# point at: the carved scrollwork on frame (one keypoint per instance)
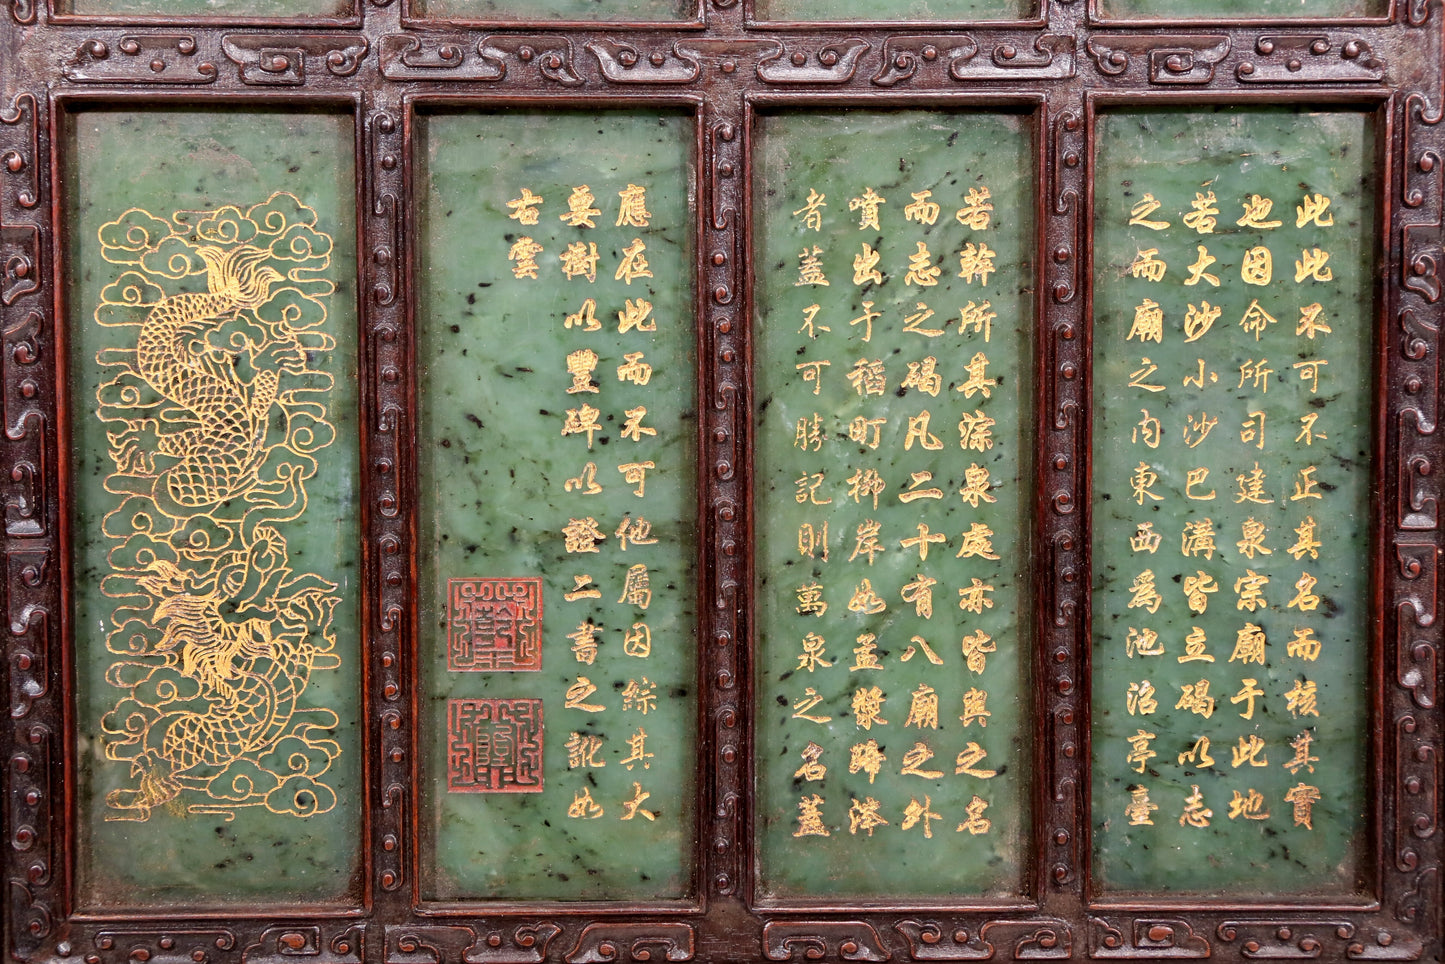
(141, 59)
(903, 57)
(1050, 56)
(276, 944)
(823, 940)
(723, 168)
(21, 159)
(414, 57)
(425, 57)
(269, 61)
(1173, 59)
(625, 63)
(29, 630)
(1063, 407)
(1022, 940)
(386, 368)
(550, 57)
(171, 946)
(435, 944)
(32, 910)
(20, 255)
(1305, 939)
(1151, 938)
(603, 943)
(1419, 768)
(1311, 60)
(20, 247)
(808, 63)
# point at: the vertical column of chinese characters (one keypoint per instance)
(880, 353)
(612, 583)
(1232, 462)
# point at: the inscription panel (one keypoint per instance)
(1233, 395)
(893, 326)
(557, 475)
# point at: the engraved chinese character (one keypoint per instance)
(810, 818)
(579, 260)
(1257, 268)
(921, 269)
(867, 205)
(524, 208)
(975, 261)
(580, 211)
(922, 209)
(1249, 645)
(1256, 209)
(524, 252)
(632, 211)
(976, 210)
(1313, 208)
(633, 264)
(1249, 691)
(863, 815)
(1203, 215)
(812, 210)
(810, 269)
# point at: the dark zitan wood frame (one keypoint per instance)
(1064, 63)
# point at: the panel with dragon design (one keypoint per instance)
(557, 486)
(212, 337)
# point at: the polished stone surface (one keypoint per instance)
(1208, 418)
(494, 466)
(169, 161)
(1235, 9)
(970, 10)
(269, 9)
(811, 532)
(544, 10)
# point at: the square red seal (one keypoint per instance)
(494, 624)
(494, 746)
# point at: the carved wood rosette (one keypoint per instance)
(1058, 68)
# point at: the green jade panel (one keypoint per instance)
(212, 334)
(541, 11)
(1236, 9)
(1232, 438)
(267, 9)
(558, 426)
(893, 331)
(942, 10)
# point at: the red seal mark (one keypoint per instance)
(494, 624)
(494, 746)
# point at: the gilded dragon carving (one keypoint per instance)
(215, 413)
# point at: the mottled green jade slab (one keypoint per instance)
(277, 9)
(845, 492)
(1219, 377)
(544, 10)
(213, 506)
(513, 487)
(907, 10)
(1234, 9)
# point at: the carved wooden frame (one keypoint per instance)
(1064, 61)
